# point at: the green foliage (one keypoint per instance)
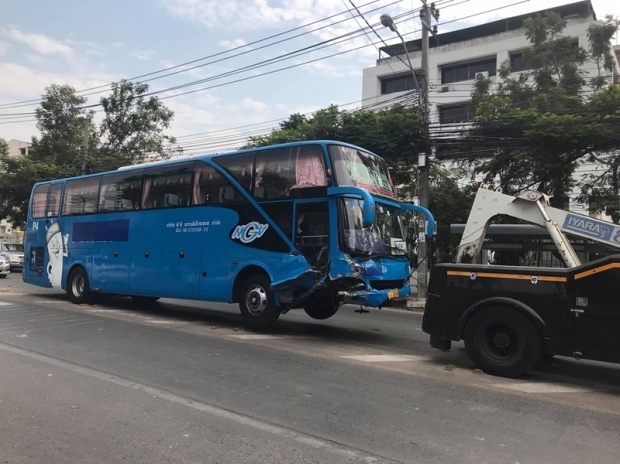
(131, 130)
(535, 128)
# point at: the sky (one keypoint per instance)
(92, 43)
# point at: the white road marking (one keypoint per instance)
(257, 337)
(4, 303)
(50, 301)
(541, 387)
(164, 321)
(258, 424)
(375, 358)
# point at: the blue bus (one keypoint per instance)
(309, 225)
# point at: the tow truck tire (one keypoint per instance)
(256, 302)
(78, 286)
(503, 341)
(322, 307)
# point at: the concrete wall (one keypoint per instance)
(18, 147)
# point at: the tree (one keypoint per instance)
(535, 128)
(133, 127)
(132, 130)
(60, 119)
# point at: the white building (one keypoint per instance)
(18, 147)
(456, 57)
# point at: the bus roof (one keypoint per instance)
(248, 150)
(213, 155)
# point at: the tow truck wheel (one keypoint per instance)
(502, 341)
(321, 307)
(256, 302)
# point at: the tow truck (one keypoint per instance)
(510, 317)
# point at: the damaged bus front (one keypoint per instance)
(363, 259)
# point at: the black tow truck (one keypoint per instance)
(510, 317)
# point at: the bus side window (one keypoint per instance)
(39, 200)
(167, 186)
(53, 204)
(81, 196)
(240, 167)
(211, 188)
(120, 191)
(278, 171)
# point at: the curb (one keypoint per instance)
(415, 305)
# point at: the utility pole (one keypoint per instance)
(423, 157)
(86, 133)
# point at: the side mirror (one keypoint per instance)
(368, 208)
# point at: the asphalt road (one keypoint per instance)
(185, 382)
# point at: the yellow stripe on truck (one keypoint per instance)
(494, 275)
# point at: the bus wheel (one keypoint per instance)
(256, 302)
(322, 307)
(502, 341)
(78, 287)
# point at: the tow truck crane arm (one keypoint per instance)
(532, 207)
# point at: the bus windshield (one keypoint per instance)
(357, 168)
(376, 240)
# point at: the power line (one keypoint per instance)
(220, 53)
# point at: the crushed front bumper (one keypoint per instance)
(374, 298)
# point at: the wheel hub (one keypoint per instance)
(256, 300)
(78, 285)
(502, 340)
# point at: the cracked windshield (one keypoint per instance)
(310, 231)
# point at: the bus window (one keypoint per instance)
(167, 186)
(211, 188)
(53, 204)
(81, 196)
(240, 167)
(120, 192)
(281, 213)
(281, 170)
(39, 200)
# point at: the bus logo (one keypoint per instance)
(249, 232)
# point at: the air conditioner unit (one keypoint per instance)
(447, 88)
(482, 75)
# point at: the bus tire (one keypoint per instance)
(322, 307)
(256, 302)
(78, 286)
(503, 341)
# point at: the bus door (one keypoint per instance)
(311, 235)
(45, 248)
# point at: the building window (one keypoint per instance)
(518, 63)
(23, 151)
(455, 113)
(468, 71)
(395, 84)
